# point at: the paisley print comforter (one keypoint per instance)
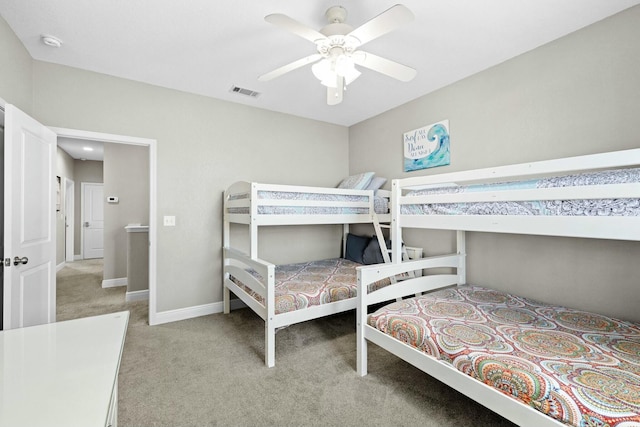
(599, 207)
(306, 284)
(580, 368)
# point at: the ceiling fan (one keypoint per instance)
(337, 47)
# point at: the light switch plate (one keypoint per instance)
(169, 221)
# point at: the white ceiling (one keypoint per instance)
(82, 149)
(206, 47)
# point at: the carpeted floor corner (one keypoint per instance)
(209, 371)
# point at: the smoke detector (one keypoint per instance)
(51, 41)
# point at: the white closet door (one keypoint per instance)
(93, 217)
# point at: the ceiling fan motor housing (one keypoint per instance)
(336, 14)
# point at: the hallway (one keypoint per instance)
(80, 294)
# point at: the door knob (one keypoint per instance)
(86, 224)
(17, 260)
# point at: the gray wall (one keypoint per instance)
(137, 261)
(126, 175)
(577, 95)
(15, 70)
(204, 145)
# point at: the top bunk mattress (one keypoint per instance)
(580, 368)
(588, 207)
(341, 207)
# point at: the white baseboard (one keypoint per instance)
(60, 266)
(196, 311)
(137, 295)
(114, 283)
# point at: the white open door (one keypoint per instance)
(92, 220)
(29, 222)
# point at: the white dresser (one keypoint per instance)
(62, 374)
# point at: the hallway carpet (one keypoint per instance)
(209, 371)
(80, 293)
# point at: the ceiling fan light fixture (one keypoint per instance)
(328, 70)
(322, 69)
(325, 72)
(346, 68)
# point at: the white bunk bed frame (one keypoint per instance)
(616, 228)
(236, 262)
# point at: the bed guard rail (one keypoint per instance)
(236, 264)
(370, 274)
(243, 202)
(408, 200)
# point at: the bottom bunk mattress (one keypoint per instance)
(580, 368)
(306, 284)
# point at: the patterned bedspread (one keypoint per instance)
(381, 204)
(600, 207)
(580, 368)
(306, 284)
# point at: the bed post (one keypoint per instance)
(345, 232)
(461, 250)
(396, 232)
(269, 329)
(253, 228)
(361, 318)
(226, 296)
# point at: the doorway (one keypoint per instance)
(74, 134)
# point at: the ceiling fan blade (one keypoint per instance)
(290, 67)
(295, 27)
(335, 94)
(387, 21)
(384, 66)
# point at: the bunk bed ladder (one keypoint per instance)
(386, 251)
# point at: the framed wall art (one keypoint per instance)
(427, 147)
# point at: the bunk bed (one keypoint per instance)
(286, 294)
(535, 364)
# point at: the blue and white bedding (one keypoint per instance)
(591, 207)
(381, 204)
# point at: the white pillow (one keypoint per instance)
(357, 182)
(376, 183)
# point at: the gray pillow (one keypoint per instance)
(355, 247)
(372, 253)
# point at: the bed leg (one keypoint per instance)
(361, 352)
(226, 297)
(269, 345)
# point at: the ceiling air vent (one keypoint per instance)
(243, 91)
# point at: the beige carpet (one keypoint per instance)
(80, 294)
(210, 371)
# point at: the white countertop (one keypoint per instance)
(61, 374)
